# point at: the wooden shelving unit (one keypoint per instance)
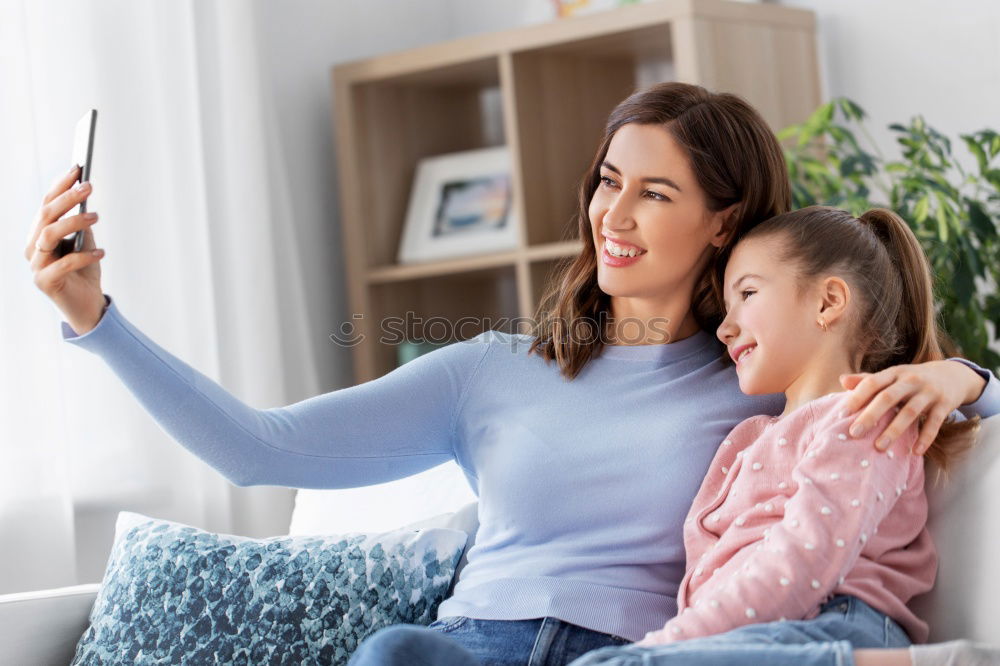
(545, 91)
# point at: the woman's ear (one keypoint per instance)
(723, 225)
(835, 296)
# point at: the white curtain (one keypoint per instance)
(197, 224)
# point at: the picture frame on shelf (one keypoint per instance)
(461, 204)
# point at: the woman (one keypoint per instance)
(566, 457)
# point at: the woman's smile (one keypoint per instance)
(618, 254)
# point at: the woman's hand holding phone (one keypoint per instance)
(73, 281)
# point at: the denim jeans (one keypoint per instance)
(463, 641)
(844, 623)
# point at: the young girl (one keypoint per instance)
(797, 524)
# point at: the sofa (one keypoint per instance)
(42, 627)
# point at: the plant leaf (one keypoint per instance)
(980, 222)
(922, 208)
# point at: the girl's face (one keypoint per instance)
(652, 231)
(767, 318)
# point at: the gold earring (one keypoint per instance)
(822, 323)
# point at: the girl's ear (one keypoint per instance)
(835, 296)
(723, 225)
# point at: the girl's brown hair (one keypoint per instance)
(895, 321)
(736, 159)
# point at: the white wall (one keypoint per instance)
(900, 58)
(895, 58)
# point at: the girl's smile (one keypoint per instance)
(738, 353)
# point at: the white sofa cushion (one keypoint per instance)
(381, 507)
(965, 523)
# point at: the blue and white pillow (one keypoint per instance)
(176, 594)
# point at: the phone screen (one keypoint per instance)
(83, 155)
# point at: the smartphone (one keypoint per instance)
(83, 156)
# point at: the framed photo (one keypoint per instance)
(460, 204)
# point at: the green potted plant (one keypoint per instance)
(954, 211)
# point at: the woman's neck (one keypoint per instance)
(634, 322)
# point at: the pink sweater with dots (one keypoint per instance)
(794, 510)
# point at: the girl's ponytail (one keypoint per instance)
(920, 338)
(895, 320)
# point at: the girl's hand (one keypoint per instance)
(73, 281)
(935, 388)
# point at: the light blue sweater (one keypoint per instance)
(583, 485)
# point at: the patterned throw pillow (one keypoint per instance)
(176, 594)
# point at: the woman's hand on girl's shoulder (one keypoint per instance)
(934, 388)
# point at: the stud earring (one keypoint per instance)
(822, 323)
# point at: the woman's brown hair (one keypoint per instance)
(736, 159)
(895, 320)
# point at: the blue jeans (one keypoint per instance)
(463, 641)
(844, 623)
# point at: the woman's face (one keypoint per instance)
(652, 230)
(766, 315)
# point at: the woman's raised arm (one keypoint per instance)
(397, 425)
(392, 427)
